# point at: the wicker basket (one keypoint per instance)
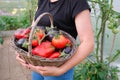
(40, 61)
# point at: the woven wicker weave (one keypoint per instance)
(35, 60)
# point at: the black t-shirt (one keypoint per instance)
(63, 12)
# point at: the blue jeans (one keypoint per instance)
(66, 76)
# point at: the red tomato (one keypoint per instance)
(59, 42)
(39, 33)
(35, 42)
(55, 55)
(68, 41)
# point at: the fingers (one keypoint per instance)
(39, 69)
(19, 59)
(36, 68)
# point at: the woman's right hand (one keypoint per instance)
(21, 61)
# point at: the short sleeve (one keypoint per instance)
(78, 6)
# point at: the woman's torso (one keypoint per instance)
(63, 12)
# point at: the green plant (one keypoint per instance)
(24, 20)
(1, 40)
(32, 5)
(8, 22)
(105, 18)
(15, 22)
(21, 20)
(95, 71)
(2, 23)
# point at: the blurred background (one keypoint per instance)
(16, 14)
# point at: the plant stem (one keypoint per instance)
(30, 15)
(102, 41)
(96, 28)
(105, 17)
(98, 43)
(112, 46)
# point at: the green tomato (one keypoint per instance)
(115, 30)
(110, 26)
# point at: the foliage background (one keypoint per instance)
(16, 14)
(106, 28)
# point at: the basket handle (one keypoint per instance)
(33, 28)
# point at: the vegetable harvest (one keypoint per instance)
(44, 44)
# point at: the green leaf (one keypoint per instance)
(116, 56)
(101, 75)
(63, 54)
(25, 45)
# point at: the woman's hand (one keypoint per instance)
(45, 71)
(21, 61)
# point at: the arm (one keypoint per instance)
(85, 34)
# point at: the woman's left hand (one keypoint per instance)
(47, 70)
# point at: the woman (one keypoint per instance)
(72, 16)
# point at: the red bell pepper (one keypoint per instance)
(22, 33)
(45, 49)
(26, 31)
(55, 55)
